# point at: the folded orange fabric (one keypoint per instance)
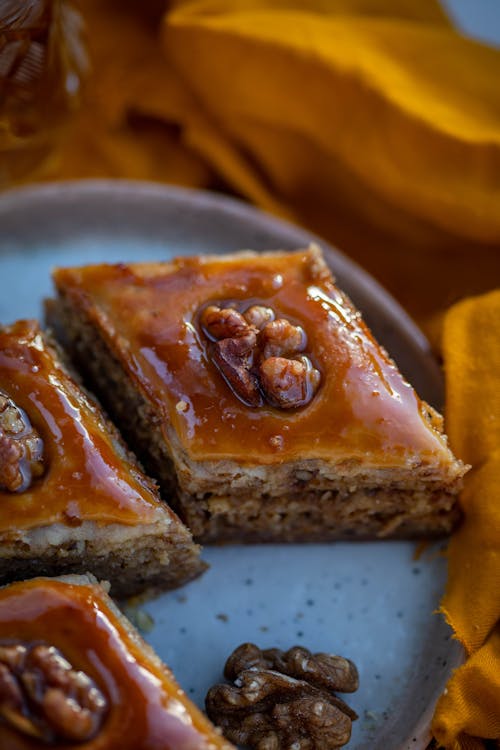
(470, 708)
(373, 122)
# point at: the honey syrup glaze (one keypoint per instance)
(146, 710)
(84, 477)
(363, 408)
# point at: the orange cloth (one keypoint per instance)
(373, 122)
(377, 125)
(471, 348)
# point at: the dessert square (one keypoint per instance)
(74, 672)
(254, 392)
(72, 498)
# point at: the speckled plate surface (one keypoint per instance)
(373, 602)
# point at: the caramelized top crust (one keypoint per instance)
(146, 709)
(87, 476)
(149, 315)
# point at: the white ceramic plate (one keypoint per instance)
(372, 602)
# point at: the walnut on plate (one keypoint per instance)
(42, 696)
(21, 448)
(284, 700)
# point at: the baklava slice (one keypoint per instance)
(72, 499)
(75, 673)
(255, 394)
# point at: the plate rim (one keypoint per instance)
(206, 199)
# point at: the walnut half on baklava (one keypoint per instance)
(252, 389)
(75, 673)
(72, 498)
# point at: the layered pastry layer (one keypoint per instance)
(74, 673)
(254, 392)
(72, 499)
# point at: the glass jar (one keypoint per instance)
(42, 62)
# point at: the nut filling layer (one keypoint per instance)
(260, 357)
(42, 696)
(21, 448)
(284, 699)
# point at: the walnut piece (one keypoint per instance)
(288, 383)
(259, 356)
(21, 448)
(280, 339)
(234, 358)
(223, 323)
(322, 670)
(259, 316)
(42, 696)
(284, 700)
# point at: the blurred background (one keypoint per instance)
(375, 123)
